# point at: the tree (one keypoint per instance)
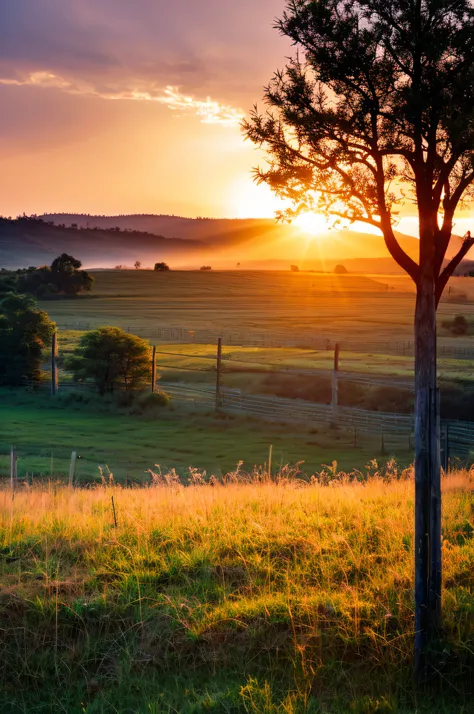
(67, 276)
(340, 270)
(111, 358)
(138, 265)
(377, 108)
(161, 267)
(24, 332)
(64, 277)
(294, 269)
(206, 268)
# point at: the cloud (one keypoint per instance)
(209, 110)
(209, 57)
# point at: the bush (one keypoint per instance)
(457, 327)
(112, 359)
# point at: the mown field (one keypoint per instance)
(254, 597)
(330, 306)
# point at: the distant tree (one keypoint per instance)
(294, 269)
(113, 359)
(161, 267)
(24, 332)
(206, 267)
(137, 265)
(340, 270)
(118, 267)
(64, 277)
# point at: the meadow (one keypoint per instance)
(253, 597)
(46, 431)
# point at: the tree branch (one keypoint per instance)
(442, 281)
(398, 254)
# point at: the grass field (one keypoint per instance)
(250, 598)
(45, 432)
(349, 306)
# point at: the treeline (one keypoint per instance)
(63, 277)
(24, 221)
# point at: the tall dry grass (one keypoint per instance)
(302, 584)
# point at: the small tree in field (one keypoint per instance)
(113, 359)
(377, 108)
(24, 332)
(161, 267)
(137, 265)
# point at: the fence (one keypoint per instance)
(457, 438)
(304, 340)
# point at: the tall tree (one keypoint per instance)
(376, 109)
(24, 332)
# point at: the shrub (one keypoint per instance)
(457, 327)
(112, 359)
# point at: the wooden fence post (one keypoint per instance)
(72, 468)
(13, 468)
(54, 370)
(218, 375)
(335, 384)
(153, 371)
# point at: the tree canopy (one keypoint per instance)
(63, 277)
(375, 110)
(24, 332)
(112, 359)
(161, 267)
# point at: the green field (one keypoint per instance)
(250, 598)
(45, 432)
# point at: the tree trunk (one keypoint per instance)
(427, 478)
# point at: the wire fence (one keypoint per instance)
(303, 340)
(457, 437)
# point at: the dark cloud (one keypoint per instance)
(223, 48)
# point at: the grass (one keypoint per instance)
(45, 431)
(348, 307)
(254, 597)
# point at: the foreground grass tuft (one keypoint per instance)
(255, 597)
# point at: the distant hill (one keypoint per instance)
(105, 241)
(29, 241)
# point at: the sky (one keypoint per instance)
(133, 106)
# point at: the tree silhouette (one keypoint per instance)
(376, 109)
(161, 267)
(137, 265)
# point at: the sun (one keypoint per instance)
(312, 223)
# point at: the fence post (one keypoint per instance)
(218, 375)
(72, 468)
(446, 447)
(153, 371)
(335, 384)
(12, 469)
(54, 371)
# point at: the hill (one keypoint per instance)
(32, 241)
(105, 241)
